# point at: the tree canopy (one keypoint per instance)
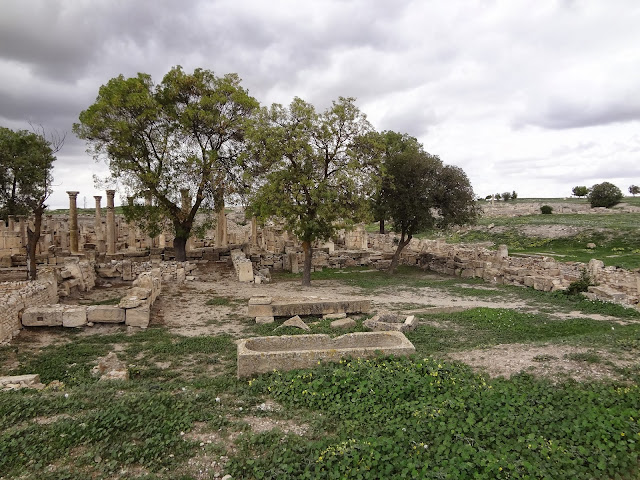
(604, 194)
(420, 192)
(306, 170)
(177, 142)
(26, 164)
(580, 191)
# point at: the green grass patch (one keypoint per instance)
(421, 418)
(220, 301)
(486, 327)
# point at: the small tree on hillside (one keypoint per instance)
(580, 191)
(514, 195)
(420, 192)
(604, 194)
(26, 162)
(306, 170)
(634, 190)
(506, 196)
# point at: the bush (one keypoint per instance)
(546, 210)
(604, 194)
(580, 285)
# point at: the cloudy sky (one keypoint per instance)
(535, 96)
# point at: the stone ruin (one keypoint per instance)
(76, 251)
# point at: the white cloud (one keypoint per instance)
(532, 95)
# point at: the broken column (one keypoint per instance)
(97, 226)
(147, 203)
(73, 222)
(221, 228)
(254, 231)
(111, 223)
(131, 230)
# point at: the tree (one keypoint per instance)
(634, 190)
(306, 170)
(26, 162)
(580, 191)
(604, 194)
(506, 196)
(514, 195)
(177, 141)
(420, 192)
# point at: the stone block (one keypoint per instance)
(334, 316)
(105, 314)
(295, 322)
(43, 316)
(265, 319)
(245, 271)
(138, 317)
(343, 323)
(74, 316)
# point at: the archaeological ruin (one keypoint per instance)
(77, 251)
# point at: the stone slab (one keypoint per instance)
(343, 323)
(138, 317)
(295, 322)
(43, 316)
(266, 319)
(105, 314)
(284, 308)
(74, 316)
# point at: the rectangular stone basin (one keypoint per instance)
(289, 352)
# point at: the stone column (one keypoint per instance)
(148, 203)
(97, 226)
(131, 230)
(221, 229)
(111, 223)
(64, 239)
(254, 231)
(73, 222)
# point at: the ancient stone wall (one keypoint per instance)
(16, 296)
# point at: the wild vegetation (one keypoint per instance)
(428, 416)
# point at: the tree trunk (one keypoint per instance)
(306, 271)
(32, 243)
(382, 226)
(396, 256)
(180, 249)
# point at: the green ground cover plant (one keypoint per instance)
(418, 417)
(422, 418)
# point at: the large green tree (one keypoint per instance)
(306, 169)
(420, 192)
(604, 194)
(26, 163)
(177, 142)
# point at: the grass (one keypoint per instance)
(487, 327)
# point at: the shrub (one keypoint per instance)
(546, 210)
(580, 285)
(604, 194)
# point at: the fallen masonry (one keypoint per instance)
(264, 308)
(289, 352)
(391, 321)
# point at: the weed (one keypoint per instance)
(220, 301)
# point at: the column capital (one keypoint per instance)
(73, 194)
(98, 197)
